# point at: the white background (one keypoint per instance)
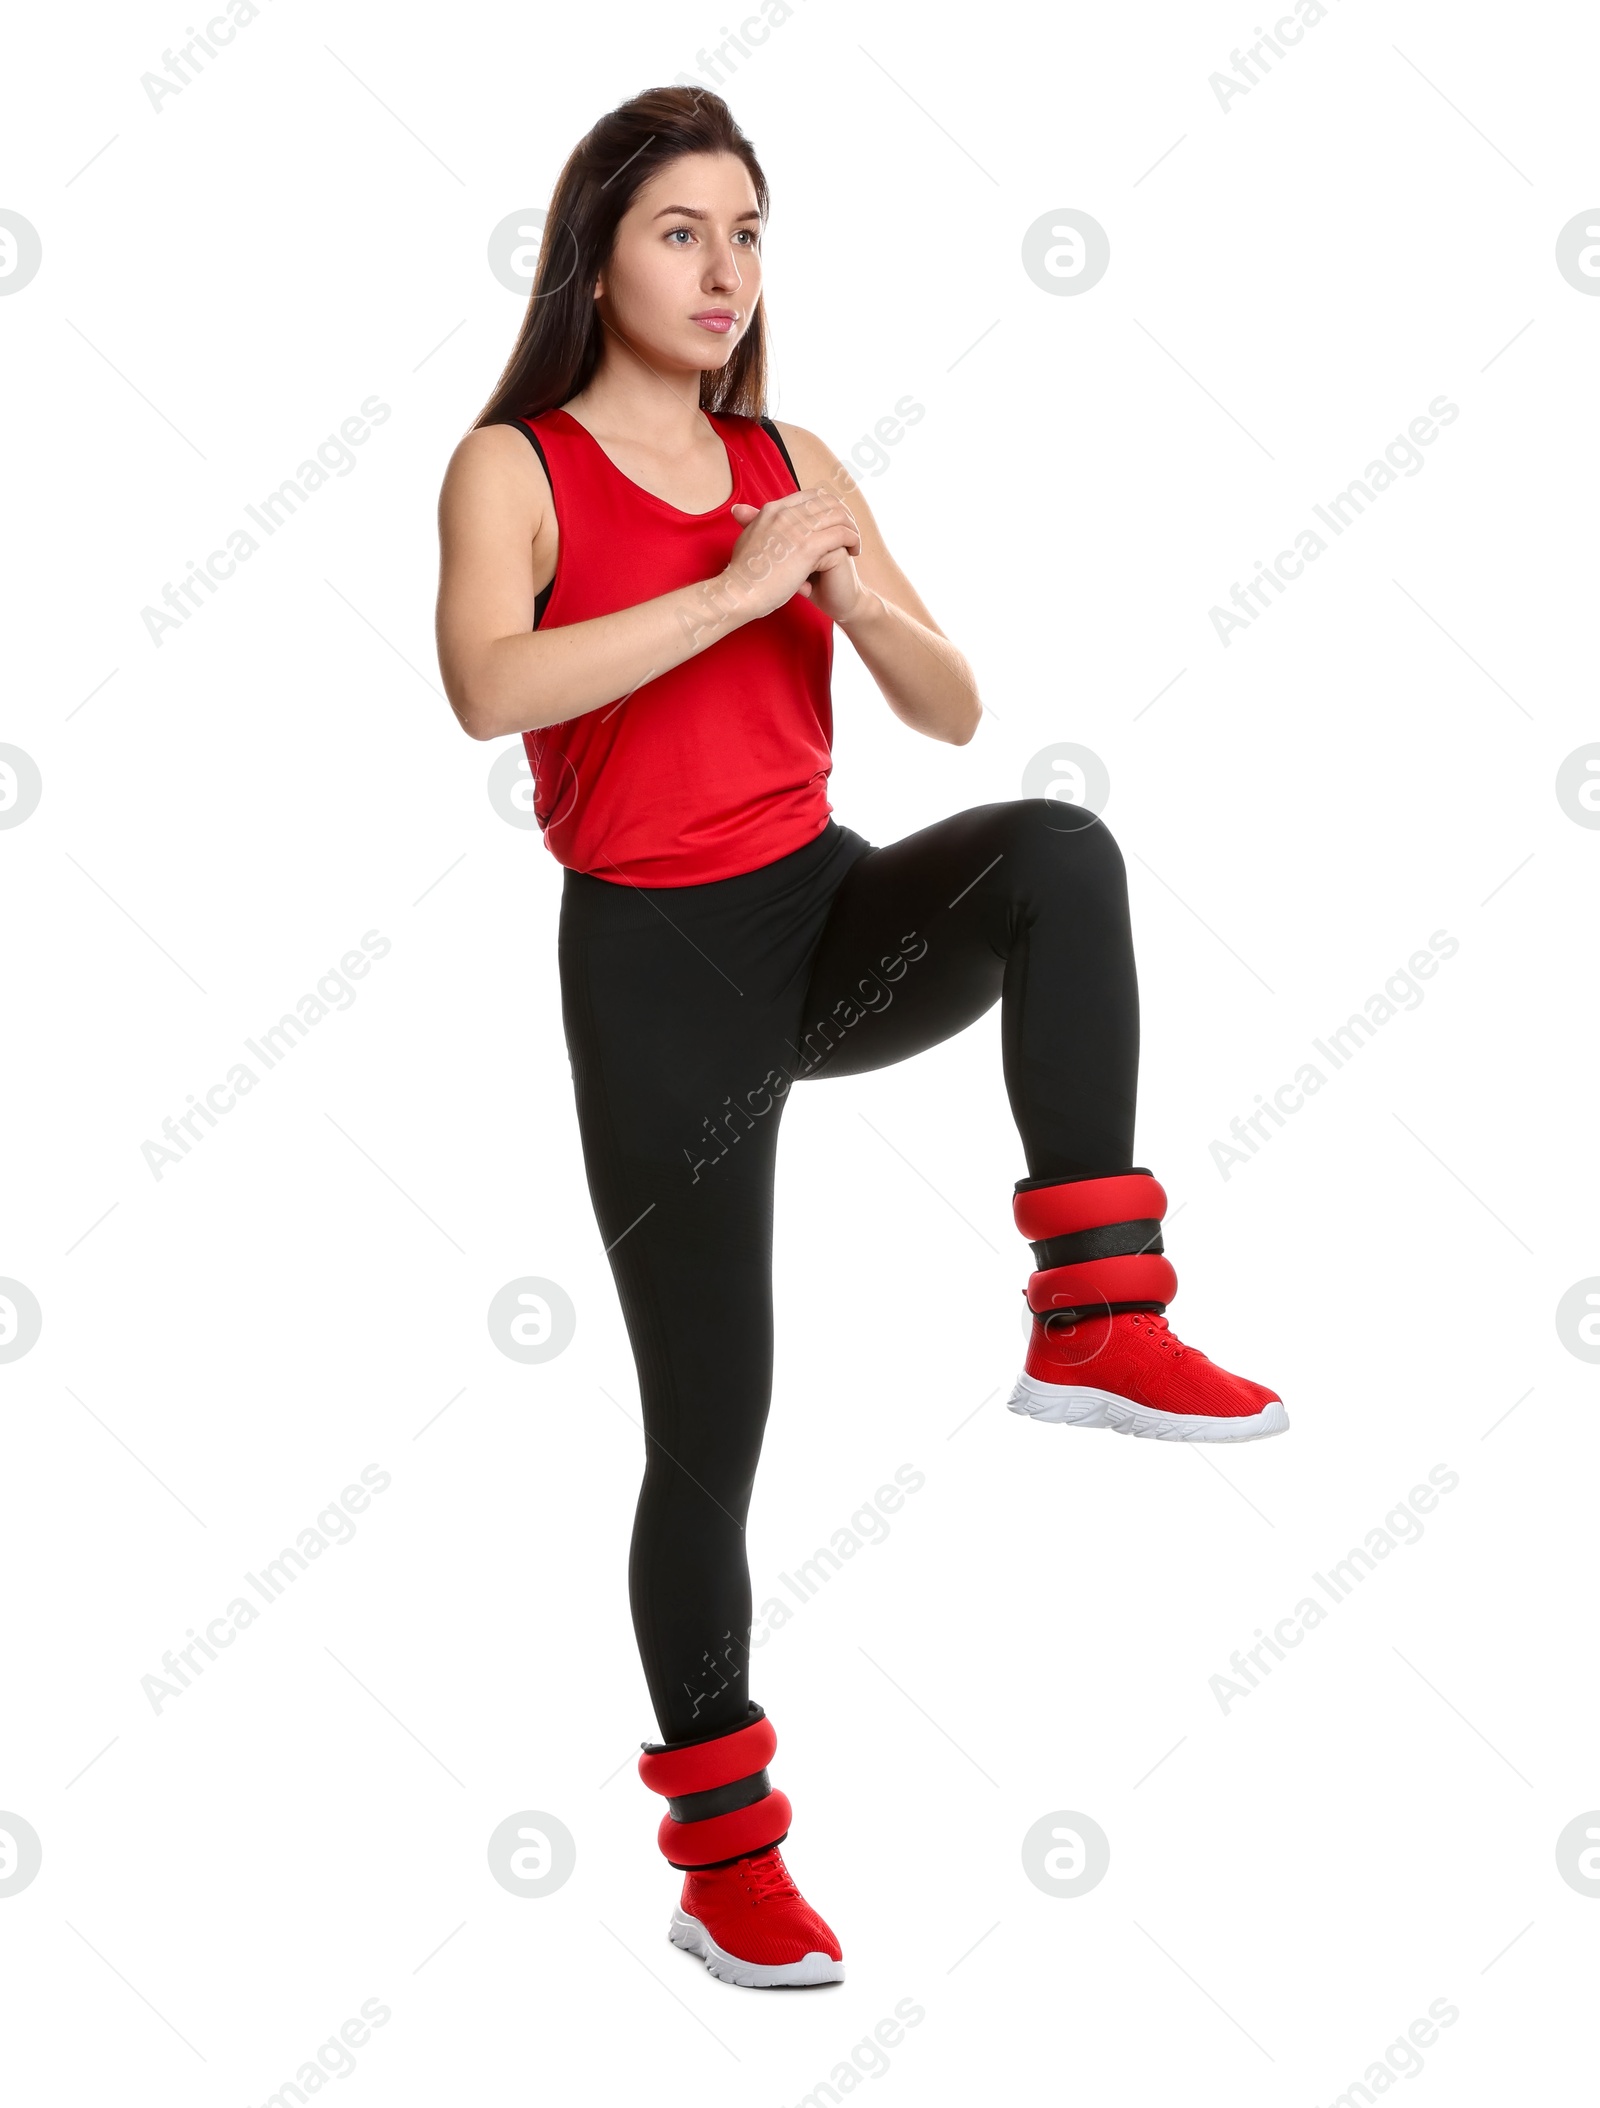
(224, 1348)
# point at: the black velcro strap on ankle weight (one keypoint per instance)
(1115, 1241)
(719, 1800)
(1057, 1321)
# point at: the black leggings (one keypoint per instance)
(689, 1011)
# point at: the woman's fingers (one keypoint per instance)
(795, 537)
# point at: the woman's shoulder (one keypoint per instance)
(811, 458)
(529, 422)
(492, 459)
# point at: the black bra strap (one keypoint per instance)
(776, 437)
(542, 598)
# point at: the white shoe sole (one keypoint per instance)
(1080, 1405)
(813, 1968)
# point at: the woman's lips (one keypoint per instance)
(720, 323)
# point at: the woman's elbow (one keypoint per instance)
(966, 731)
(475, 697)
(466, 704)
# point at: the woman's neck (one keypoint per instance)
(629, 399)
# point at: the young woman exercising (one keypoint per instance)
(641, 574)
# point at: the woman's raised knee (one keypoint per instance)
(1055, 836)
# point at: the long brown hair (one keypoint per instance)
(559, 345)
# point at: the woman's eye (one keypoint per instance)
(750, 235)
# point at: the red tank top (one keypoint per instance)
(720, 764)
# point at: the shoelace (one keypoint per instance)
(1159, 1330)
(767, 1877)
(1165, 1336)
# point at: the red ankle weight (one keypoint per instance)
(1071, 1205)
(720, 1802)
(1093, 1238)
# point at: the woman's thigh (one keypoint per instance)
(660, 1050)
(1026, 900)
(678, 1007)
(921, 931)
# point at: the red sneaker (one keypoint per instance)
(1129, 1371)
(750, 1925)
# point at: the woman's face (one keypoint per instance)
(685, 272)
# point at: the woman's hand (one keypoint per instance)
(802, 543)
(835, 587)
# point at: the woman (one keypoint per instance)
(642, 574)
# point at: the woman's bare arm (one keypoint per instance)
(503, 676)
(924, 679)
